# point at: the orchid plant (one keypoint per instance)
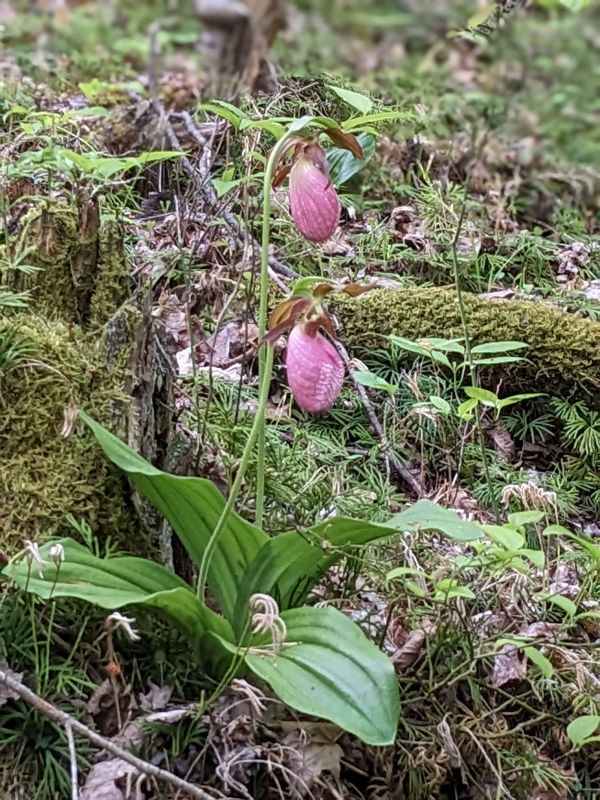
(315, 659)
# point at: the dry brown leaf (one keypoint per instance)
(510, 665)
(565, 581)
(229, 341)
(410, 650)
(540, 629)
(450, 746)
(101, 783)
(314, 750)
(337, 245)
(540, 793)
(157, 698)
(502, 440)
(592, 291)
(100, 694)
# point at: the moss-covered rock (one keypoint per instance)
(564, 354)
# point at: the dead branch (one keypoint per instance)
(72, 760)
(71, 724)
(391, 459)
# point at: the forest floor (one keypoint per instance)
(482, 174)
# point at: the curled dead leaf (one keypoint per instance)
(101, 782)
(410, 650)
(510, 665)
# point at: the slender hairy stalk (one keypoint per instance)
(257, 425)
(465, 327)
(276, 153)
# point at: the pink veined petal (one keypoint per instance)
(315, 370)
(314, 204)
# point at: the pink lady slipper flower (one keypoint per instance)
(315, 371)
(314, 204)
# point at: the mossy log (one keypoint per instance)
(563, 358)
(86, 341)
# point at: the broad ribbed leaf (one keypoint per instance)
(343, 165)
(289, 565)
(112, 583)
(330, 669)
(426, 515)
(192, 506)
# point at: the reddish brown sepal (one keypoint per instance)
(284, 317)
(346, 140)
(291, 308)
(282, 170)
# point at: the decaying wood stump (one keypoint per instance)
(87, 340)
(236, 39)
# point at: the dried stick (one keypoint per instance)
(397, 465)
(71, 724)
(73, 761)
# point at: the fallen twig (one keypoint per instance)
(73, 761)
(71, 724)
(392, 459)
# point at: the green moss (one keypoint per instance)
(564, 354)
(82, 273)
(44, 475)
(51, 235)
(61, 240)
(112, 274)
(84, 337)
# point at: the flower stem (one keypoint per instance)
(265, 366)
(241, 471)
(276, 154)
(468, 353)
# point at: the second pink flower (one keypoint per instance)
(315, 370)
